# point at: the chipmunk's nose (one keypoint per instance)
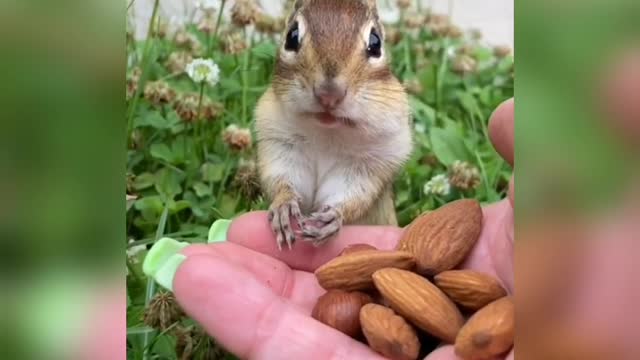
(329, 94)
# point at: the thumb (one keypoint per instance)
(501, 130)
(250, 320)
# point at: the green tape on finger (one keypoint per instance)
(162, 261)
(218, 231)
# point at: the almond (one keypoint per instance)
(442, 239)
(350, 249)
(341, 310)
(419, 301)
(353, 271)
(389, 334)
(489, 332)
(468, 288)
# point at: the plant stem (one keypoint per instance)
(440, 74)
(405, 41)
(151, 284)
(245, 80)
(200, 101)
(407, 56)
(225, 175)
(171, 76)
(485, 180)
(145, 65)
(133, 272)
(164, 332)
(215, 30)
(199, 121)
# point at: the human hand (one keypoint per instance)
(256, 300)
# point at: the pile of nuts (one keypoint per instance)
(392, 299)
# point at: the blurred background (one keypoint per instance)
(66, 153)
(191, 145)
(494, 18)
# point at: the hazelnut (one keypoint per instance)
(341, 310)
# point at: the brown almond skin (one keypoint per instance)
(489, 332)
(470, 289)
(420, 302)
(442, 239)
(341, 310)
(389, 334)
(353, 271)
(353, 248)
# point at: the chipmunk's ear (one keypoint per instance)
(298, 4)
(292, 8)
(372, 4)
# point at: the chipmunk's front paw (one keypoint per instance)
(322, 225)
(280, 220)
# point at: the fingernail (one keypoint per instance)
(218, 231)
(162, 261)
(165, 274)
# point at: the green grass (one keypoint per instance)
(182, 173)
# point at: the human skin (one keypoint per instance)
(256, 301)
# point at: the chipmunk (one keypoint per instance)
(333, 129)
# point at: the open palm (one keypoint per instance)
(256, 300)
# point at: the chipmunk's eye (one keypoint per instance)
(292, 42)
(374, 49)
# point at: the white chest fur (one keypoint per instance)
(325, 164)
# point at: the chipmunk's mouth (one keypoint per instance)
(327, 119)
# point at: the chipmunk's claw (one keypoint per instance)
(319, 227)
(280, 220)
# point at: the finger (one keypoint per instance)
(502, 251)
(252, 230)
(447, 352)
(493, 253)
(511, 192)
(101, 338)
(511, 355)
(621, 89)
(300, 287)
(252, 322)
(501, 130)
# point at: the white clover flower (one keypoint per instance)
(438, 185)
(203, 70)
(464, 175)
(133, 251)
(419, 127)
(206, 5)
(451, 52)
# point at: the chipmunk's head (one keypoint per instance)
(332, 66)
